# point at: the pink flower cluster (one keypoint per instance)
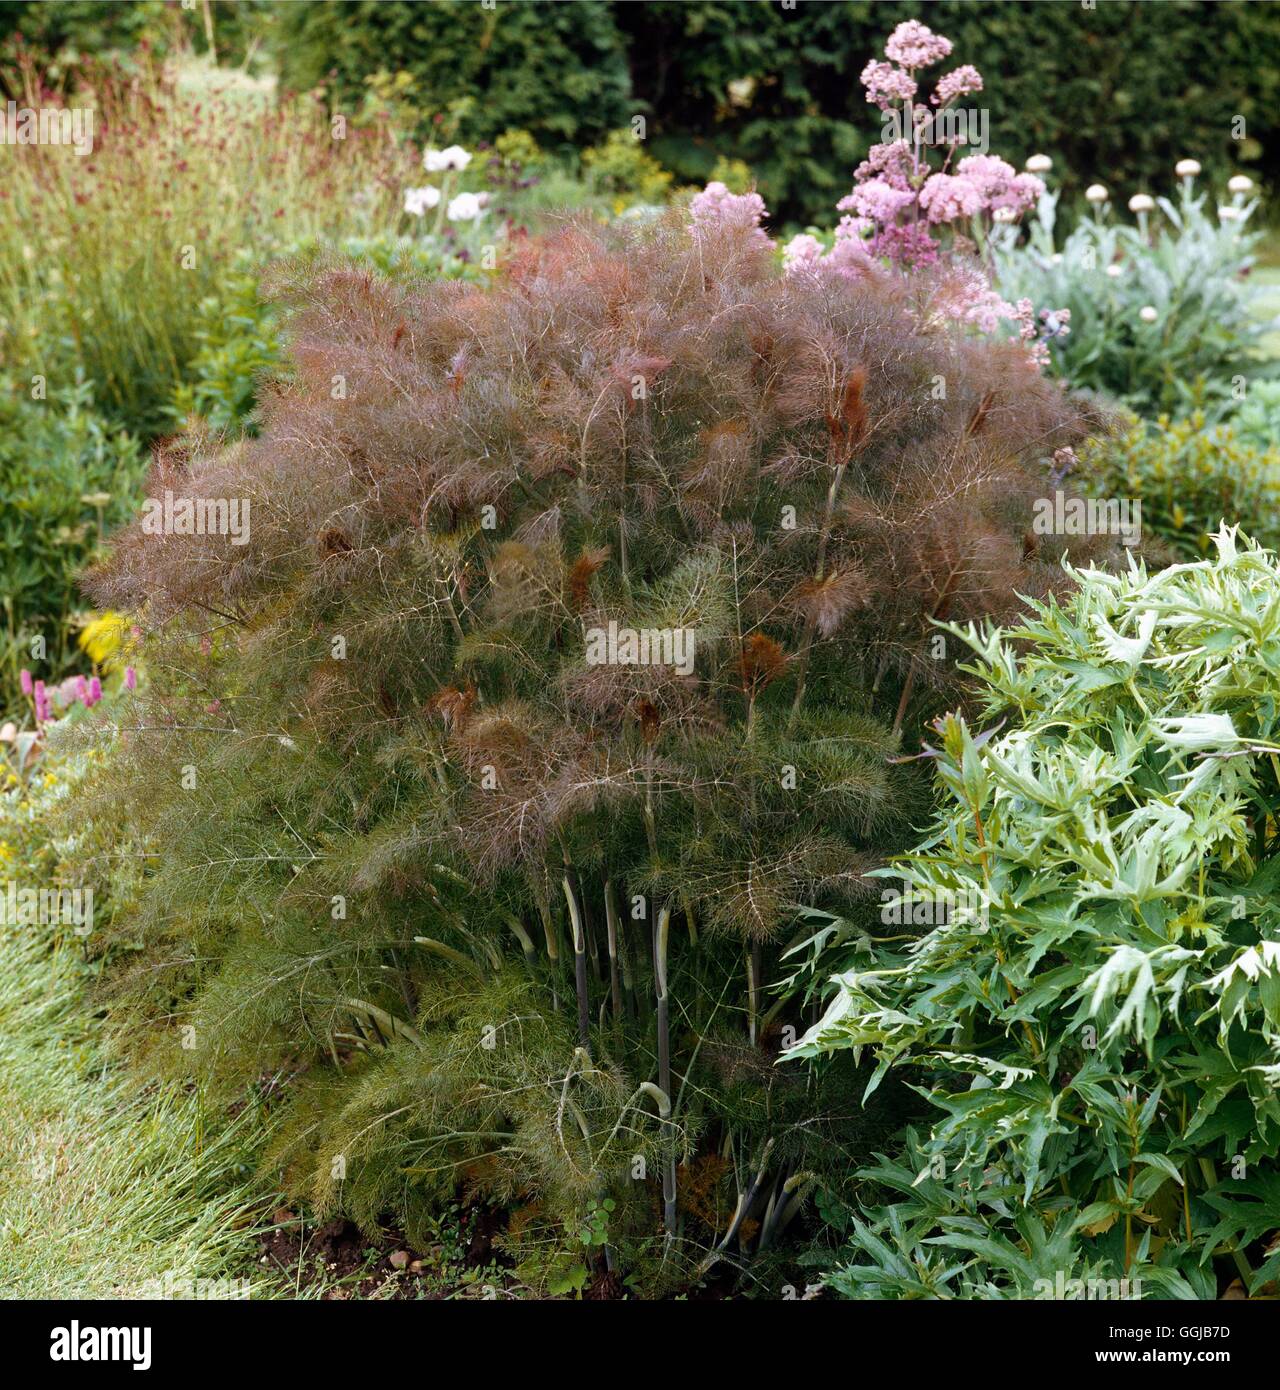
(850, 256)
(900, 202)
(959, 83)
(998, 184)
(47, 703)
(716, 207)
(885, 84)
(895, 187)
(915, 45)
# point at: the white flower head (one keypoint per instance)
(1004, 215)
(1228, 214)
(1115, 270)
(1039, 164)
(437, 161)
(1148, 313)
(466, 207)
(1096, 193)
(1142, 202)
(418, 200)
(1187, 168)
(1239, 183)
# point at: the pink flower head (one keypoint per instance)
(849, 257)
(948, 196)
(915, 45)
(891, 162)
(910, 246)
(130, 678)
(854, 229)
(802, 252)
(24, 680)
(878, 200)
(957, 84)
(1001, 186)
(95, 691)
(885, 83)
(716, 207)
(82, 690)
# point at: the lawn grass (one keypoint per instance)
(105, 1189)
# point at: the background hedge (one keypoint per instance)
(1108, 91)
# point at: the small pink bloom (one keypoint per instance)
(957, 84)
(915, 45)
(95, 691)
(24, 680)
(948, 196)
(878, 200)
(716, 207)
(82, 690)
(130, 678)
(885, 84)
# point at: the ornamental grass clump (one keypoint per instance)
(479, 786)
(1099, 1040)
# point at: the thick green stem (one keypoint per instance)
(579, 958)
(553, 948)
(661, 933)
(611, 927)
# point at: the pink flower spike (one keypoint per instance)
(95, 691)
(24, 680)
(130, 678)
(82, 690)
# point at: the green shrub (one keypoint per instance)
(1095, 1022)
(556, 71)
(1190, 477)
(65, 476)
(513, 908)
(621, 168)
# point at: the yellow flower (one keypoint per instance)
(104, 637)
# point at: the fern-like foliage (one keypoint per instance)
(406, 835)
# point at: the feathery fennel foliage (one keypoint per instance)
(1100, 1043)
(508, 912)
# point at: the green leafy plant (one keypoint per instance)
(1190, 476)
(66, 474)
(621, 168)
(1095, 1020)
(103, 257)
